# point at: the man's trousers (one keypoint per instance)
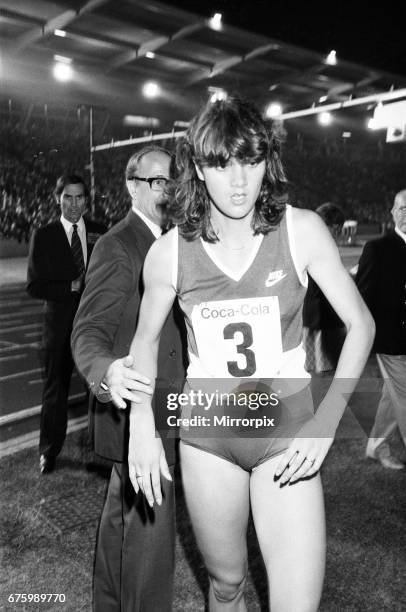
(135, 556)
(390, 419)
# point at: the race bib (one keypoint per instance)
(239, 338)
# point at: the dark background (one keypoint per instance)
(373, 34)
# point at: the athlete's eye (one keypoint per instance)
(222, 167)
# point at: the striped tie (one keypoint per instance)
(77, 252)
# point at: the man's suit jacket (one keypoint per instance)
(381, 280)
(51, 270)
(105, 324)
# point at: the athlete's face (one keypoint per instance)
(399, 212)
(233, 189)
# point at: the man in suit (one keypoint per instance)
(381, 279)
(57, 260)
(135, 550)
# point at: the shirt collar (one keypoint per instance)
(400, 233)
(155, 229)
(68, 225)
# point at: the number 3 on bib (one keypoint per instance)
(229, 333)
(239, 338)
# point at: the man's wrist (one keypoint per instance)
(105, 388)
(103, 392)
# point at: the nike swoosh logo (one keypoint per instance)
(271, 283)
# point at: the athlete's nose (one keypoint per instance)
(238, 174)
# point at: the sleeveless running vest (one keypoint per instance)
(248, 325)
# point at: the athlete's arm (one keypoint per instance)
(318, 254)
(146, 457)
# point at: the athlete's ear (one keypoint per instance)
(199, 172)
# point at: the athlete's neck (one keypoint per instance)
(233, 234)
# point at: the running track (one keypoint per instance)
(21, 372)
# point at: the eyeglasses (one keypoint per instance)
(155, 183)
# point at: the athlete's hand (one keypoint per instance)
(122, 381)
(306, 452)
(146, 456)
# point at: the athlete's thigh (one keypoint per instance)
(217, 496)
(290, 526)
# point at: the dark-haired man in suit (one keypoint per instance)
(134, 564)
(381, 279)
(57, 261)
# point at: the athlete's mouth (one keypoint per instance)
(238, 197)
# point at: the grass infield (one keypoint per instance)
(48, 530)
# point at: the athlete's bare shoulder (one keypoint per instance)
(312, 237)
(304, 219)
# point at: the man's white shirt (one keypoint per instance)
(155, 229)
(400, 233)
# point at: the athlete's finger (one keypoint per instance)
(163, 466)
(286, 459)
(303, 471)
(292, 467)
(133, 478)
(156, 486)
(146, 487)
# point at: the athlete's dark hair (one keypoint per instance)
(230, 128)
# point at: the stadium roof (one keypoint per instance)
(116, 46)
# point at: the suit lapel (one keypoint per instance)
(143, 236)
(62, 243)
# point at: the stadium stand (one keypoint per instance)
(361, 179)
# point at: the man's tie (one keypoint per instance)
(77, 252)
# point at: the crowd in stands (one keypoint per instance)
(360, 179)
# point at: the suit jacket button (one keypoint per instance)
(172, 353)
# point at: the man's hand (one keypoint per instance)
(146, 457)
(122, 381)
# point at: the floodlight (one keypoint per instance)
(217, 94)
(62, 72)
(215, 21)
(331, 58)
(60, 33)
(151, 89)
(273, 110)
(325, 118)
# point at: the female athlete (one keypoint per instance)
(238, 259)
